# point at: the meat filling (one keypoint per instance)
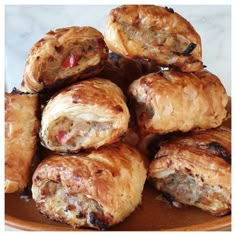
(82, 56)
(72, 132)
(187, 190)
(75, 209)
(168, 43)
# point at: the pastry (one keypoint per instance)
(88, 114)
(92, 189)
(177, 101)
(63, 56)
(195, 169)
(21, 132)
(154, 32)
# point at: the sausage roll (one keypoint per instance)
(21, 130)
(88, 114)
(195, 169)
(156, 33)
(63, 56)
(177, 101)
(94, 189)
(123, 71)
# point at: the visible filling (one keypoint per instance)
(72, 132)
(75, 209)
(150, 37)
(78, 57)
(186, 189)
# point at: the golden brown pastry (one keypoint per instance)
(153, 32)
(93, 189)
(63, 56)
(195, 169)
(21, 130)
(176, 101)
(88, 114)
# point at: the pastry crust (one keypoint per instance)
(154, 32)
(88, 114)
(21, 130)
(196, 170)
(63, 56)
(176, 101)
(93, 189)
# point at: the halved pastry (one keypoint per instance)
(195, 169)
(63, 56)
(176, 101)
(154, 32)
(21, 132)
(92, 189)
(88, 114)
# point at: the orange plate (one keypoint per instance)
(152, 215)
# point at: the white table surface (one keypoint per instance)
(25, 25)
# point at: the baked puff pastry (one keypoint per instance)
(88, 114)
(93, 189)
(153, 32)
(21, 131)
(195, 169)
(176, 101)
(63, 56)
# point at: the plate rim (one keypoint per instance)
(223, 224)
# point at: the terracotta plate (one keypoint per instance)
(153, 214)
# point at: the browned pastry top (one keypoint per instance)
(169, 101)
(154, 32)
(62, 56)
(203, 154)
(87, 114)
(113, 176)
(21, 129)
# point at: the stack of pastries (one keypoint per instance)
(100, 109)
